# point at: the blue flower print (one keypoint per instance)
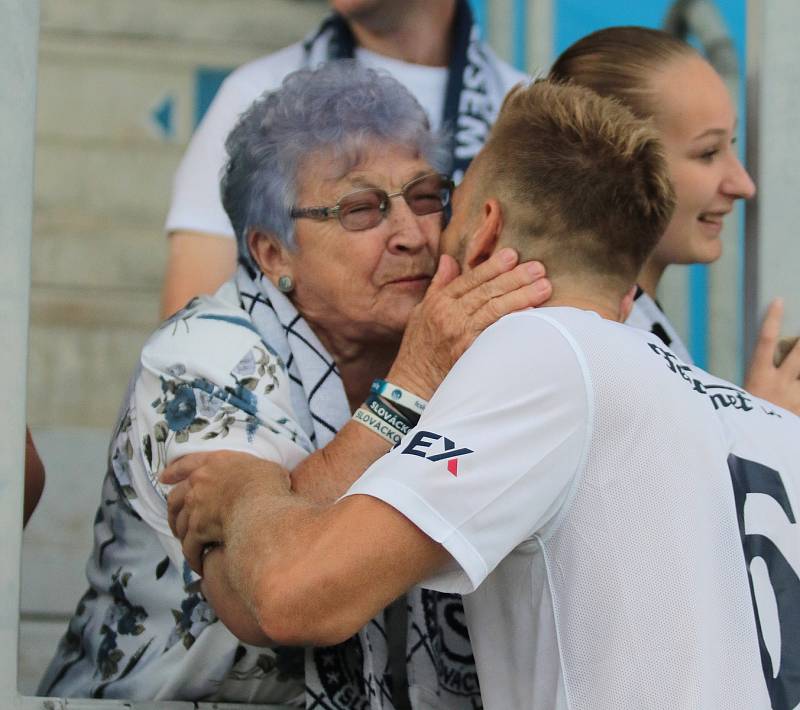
(194, 615)
(181, 409)
(176, 370)
(243, 398)
(246, 366)
(207, 405)
(120, 463)
(108, 655)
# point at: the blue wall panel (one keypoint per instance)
(576, 18)
(206, 84)
(481, 15)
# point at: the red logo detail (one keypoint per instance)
(452, 466)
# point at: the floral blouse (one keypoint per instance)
(142, 631)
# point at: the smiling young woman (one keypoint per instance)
(698, 129)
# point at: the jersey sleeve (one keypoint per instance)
(206, 382)
(493, 457)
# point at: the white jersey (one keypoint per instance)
(578, 474)
(646, 314)
(764, 465)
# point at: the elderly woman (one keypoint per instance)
(334, 186)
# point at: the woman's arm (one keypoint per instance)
(229, 606)
(281, 550)
(197, 263)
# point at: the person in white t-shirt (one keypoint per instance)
(664, 79)
(573, 477)
(432, 48)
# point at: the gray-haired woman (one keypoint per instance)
(334, 186)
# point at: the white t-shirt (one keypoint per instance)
(196, 204)
(579, 478)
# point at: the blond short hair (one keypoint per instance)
(583, 183)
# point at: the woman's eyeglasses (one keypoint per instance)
(364, 209)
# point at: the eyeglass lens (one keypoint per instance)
(366, 208)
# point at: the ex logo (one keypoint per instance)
(421, 442)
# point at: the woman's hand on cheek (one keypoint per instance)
(456, 309)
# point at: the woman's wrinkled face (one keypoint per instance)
(362, 285)
(698, 124)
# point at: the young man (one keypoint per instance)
(625, 523)
(432, 48)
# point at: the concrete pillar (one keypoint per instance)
(18, 41)
(773, 156)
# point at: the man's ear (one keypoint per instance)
(272, 257)
(483, 242)
(626, 304)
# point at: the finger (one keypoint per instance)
(768, 336)
(181, 526)
(446, 271)
(182, 468)
(195, 542)
(193, 549)
(783, 347)
(529, 296)
(181, 511)
(791, 362)
(521, 276)
(209, 552)
(175, 504)
(501, 261)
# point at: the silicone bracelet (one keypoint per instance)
(397, 395)
(366, 418)
(380, 408)
(409, 415)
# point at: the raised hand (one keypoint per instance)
(456, 309)
(777, 382)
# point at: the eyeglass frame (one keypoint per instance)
(320, 214)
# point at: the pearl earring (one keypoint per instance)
(285, 284)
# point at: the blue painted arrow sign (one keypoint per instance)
(163, 116)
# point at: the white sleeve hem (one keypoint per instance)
(473, 568)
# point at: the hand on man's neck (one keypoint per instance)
(413, 32)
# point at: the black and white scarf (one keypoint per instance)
(647, 314)
(359, 673)
(474, 92)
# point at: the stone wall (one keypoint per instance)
(104, 166)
